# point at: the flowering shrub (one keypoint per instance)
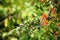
(29, 19)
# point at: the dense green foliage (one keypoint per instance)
(29, 19)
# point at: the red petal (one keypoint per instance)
(44, 22)
(44, 16)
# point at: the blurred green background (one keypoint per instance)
(21, 20)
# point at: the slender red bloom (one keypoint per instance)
(42, 1)
(53, 11)
(45, 22)
(44, 16)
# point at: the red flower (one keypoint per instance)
(53, 11)
(42, 1)
(44, 22)
(44, 16)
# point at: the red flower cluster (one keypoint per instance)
(44, 19)
(42, 1)
(53, 11)
(44, 16)
(45, 22)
